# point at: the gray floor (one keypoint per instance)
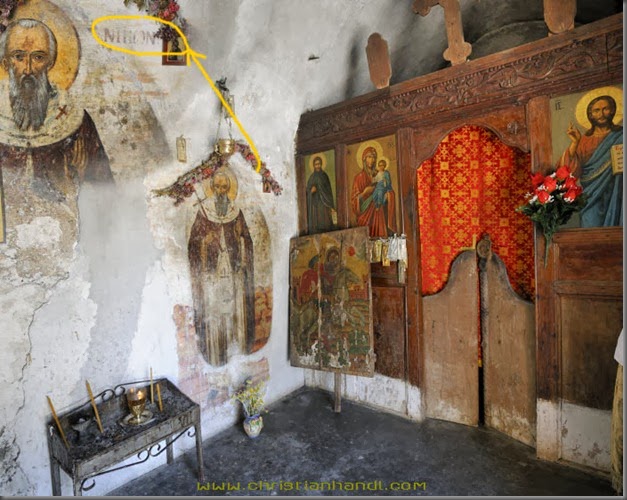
(307, 449)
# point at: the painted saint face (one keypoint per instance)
(601, 113)
(27, 52)
(370, 162)
(317, 163)
(221, 185)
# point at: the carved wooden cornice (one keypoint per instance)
(510, 77)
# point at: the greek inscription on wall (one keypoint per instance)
(130, 37)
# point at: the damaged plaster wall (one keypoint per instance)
(97, 287)
(381, 392)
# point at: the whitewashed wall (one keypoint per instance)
(89, 292)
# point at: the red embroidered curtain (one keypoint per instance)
(470, 187)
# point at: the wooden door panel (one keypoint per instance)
(579, 317)
(450, 340)
(589, 330)
(508, 341)
(388, 314)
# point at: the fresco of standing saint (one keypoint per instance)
(231, 307)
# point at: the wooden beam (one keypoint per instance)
(337, 406)
(458, 50)
(559, 15)
(378, 61)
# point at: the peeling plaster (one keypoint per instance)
(547, 430)
(39, 233)
(393, 395)
(586, 436)
(97, 304)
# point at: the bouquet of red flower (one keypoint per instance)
(554, 199)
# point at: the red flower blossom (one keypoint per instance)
(351, 251)
(562, 173)
(537, 179)
(549, 184)
(543, 196)
(569, 182)
(572, 194)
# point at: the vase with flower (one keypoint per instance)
(555, 198)
(251, 395)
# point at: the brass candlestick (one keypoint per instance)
(136, 399)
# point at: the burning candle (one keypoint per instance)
(136, 399)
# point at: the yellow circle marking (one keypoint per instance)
(188, 53)
(582, 105)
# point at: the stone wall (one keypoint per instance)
(95, 284)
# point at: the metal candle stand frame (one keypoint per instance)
(85, 459)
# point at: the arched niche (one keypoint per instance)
(478, 318)
(490, 186)
(508, 124)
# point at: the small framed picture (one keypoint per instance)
(175, 45)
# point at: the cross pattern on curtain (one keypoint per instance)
(472, 186)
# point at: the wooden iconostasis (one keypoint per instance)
(445, 159)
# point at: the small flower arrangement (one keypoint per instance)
(554, 199)
(251, 396)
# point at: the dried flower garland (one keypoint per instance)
(168, 10)
(183, 187)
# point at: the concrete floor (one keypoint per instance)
(307, 449)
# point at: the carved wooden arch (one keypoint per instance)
(509, 125)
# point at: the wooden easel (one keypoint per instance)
(337, 404)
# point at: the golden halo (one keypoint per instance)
(322, 156)
(206, 183)
(364, 145)
(65, 67)
(582, 105)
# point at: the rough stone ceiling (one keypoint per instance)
(489, 25)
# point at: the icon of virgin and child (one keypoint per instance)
(373, 200)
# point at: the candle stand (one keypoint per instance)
(91, 453)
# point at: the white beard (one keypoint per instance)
(29, 99)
